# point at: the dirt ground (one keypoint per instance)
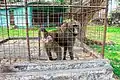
(16, 50)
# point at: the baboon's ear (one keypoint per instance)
(43, 30)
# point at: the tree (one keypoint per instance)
(118, 1)
(114, 18)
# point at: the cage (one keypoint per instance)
(21, 24)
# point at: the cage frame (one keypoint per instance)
(71, 6)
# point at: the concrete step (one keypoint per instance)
(61, 70)
(60, 65)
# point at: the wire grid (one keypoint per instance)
(23, 20)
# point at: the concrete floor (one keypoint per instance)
(17, 49)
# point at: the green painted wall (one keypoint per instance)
(19, 17)
(3, 20)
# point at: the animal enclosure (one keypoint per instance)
(21, 23)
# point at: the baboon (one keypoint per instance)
(50, 45)
(65, 38)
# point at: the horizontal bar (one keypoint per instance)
(63, 13)
(24, 38)
(38, 5)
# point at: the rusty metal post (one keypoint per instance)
(27, 31)
(7, 18)
(105, 28)
(7, 27)
(70, 10)
(39, 34)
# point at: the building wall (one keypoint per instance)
(30, 16)
(3, 20)
(20, 19)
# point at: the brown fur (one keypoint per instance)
(65, 38)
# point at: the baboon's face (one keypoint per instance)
(75, 30)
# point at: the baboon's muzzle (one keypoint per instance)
(75, 32)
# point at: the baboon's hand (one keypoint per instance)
(48, 39)
(43, 40)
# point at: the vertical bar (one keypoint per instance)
(105, 29)
(7, 18)
(7, 27)
(48, 22)
(40, 22)
(27, 33)
(71, 10)
(39, 34)
(82, 29)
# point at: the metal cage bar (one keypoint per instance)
(105, 28)
(27, 32)
(79, 12)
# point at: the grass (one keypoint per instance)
(112, 52)
(17, 33)
(21, 32)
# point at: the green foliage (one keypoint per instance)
(60, 1)
(112, 52)
(118, 2)
(51, 29)
(116, 66)
(113, 30)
